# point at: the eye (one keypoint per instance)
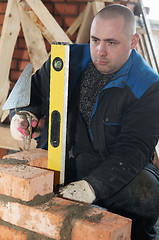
(112, 43)
(95, 40)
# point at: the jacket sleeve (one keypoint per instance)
(134, 148)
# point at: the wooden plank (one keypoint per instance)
(97, 6)
(8, 142)
(32, 34)
(144, 50)
(44, 20)
(71, 30)
(155, 33)
(84, 31)
(10, 31)
(150, 53)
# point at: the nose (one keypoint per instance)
(102, 49)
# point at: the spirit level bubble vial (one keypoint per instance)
(59, 70)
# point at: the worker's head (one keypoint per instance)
(112, 38)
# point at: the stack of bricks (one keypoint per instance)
(30, 210)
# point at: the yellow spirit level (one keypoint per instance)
(59, 71)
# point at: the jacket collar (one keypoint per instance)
(126, 68)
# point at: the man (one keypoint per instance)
(113, 122)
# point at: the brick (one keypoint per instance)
(65, 9)
(14, 64)
(12, 84)
(21, 54)
(0, 29)
(3, 6)
(1, 18)
(63, 219)
(48, 46)
(22, 43)
(59, 20)
(49, 6)
(3, 152)
(14, 75)
(36, 157)
(7, 233)
(23, 64)
(110, 227)
(68, 21)
(25, 182)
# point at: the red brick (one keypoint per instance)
(3, 152)
(23, 64)
(3, 6)
(59, 20)
(14, 64)
(49, 6)
(12, 84)
(73, 37)
(14, 75)
(110, 227)
(1, 18)
(49, 219)
(65, 9)
(7, 233)
(22, 43)
(0, 29)
(36, 157)
(25, 182)
(21, 54)
(48, 46)
(69, 21)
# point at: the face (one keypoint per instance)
(110, 45)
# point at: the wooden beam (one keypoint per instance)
(34, 39)
(44, 20)
(76, 24)
(97, 6)
(84, 31)
(10, 31)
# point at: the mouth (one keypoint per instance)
(102, 62)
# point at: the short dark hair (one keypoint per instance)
(116, 10)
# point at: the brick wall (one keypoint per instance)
(64, 11)
(29, 212)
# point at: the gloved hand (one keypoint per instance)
(79, 191)
(19, 125)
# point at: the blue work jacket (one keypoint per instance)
(124, 125)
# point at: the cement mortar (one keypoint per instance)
(13, 161)
(30, 234)
(74, 212)
(37, 200)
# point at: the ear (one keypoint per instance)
(135, 40)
